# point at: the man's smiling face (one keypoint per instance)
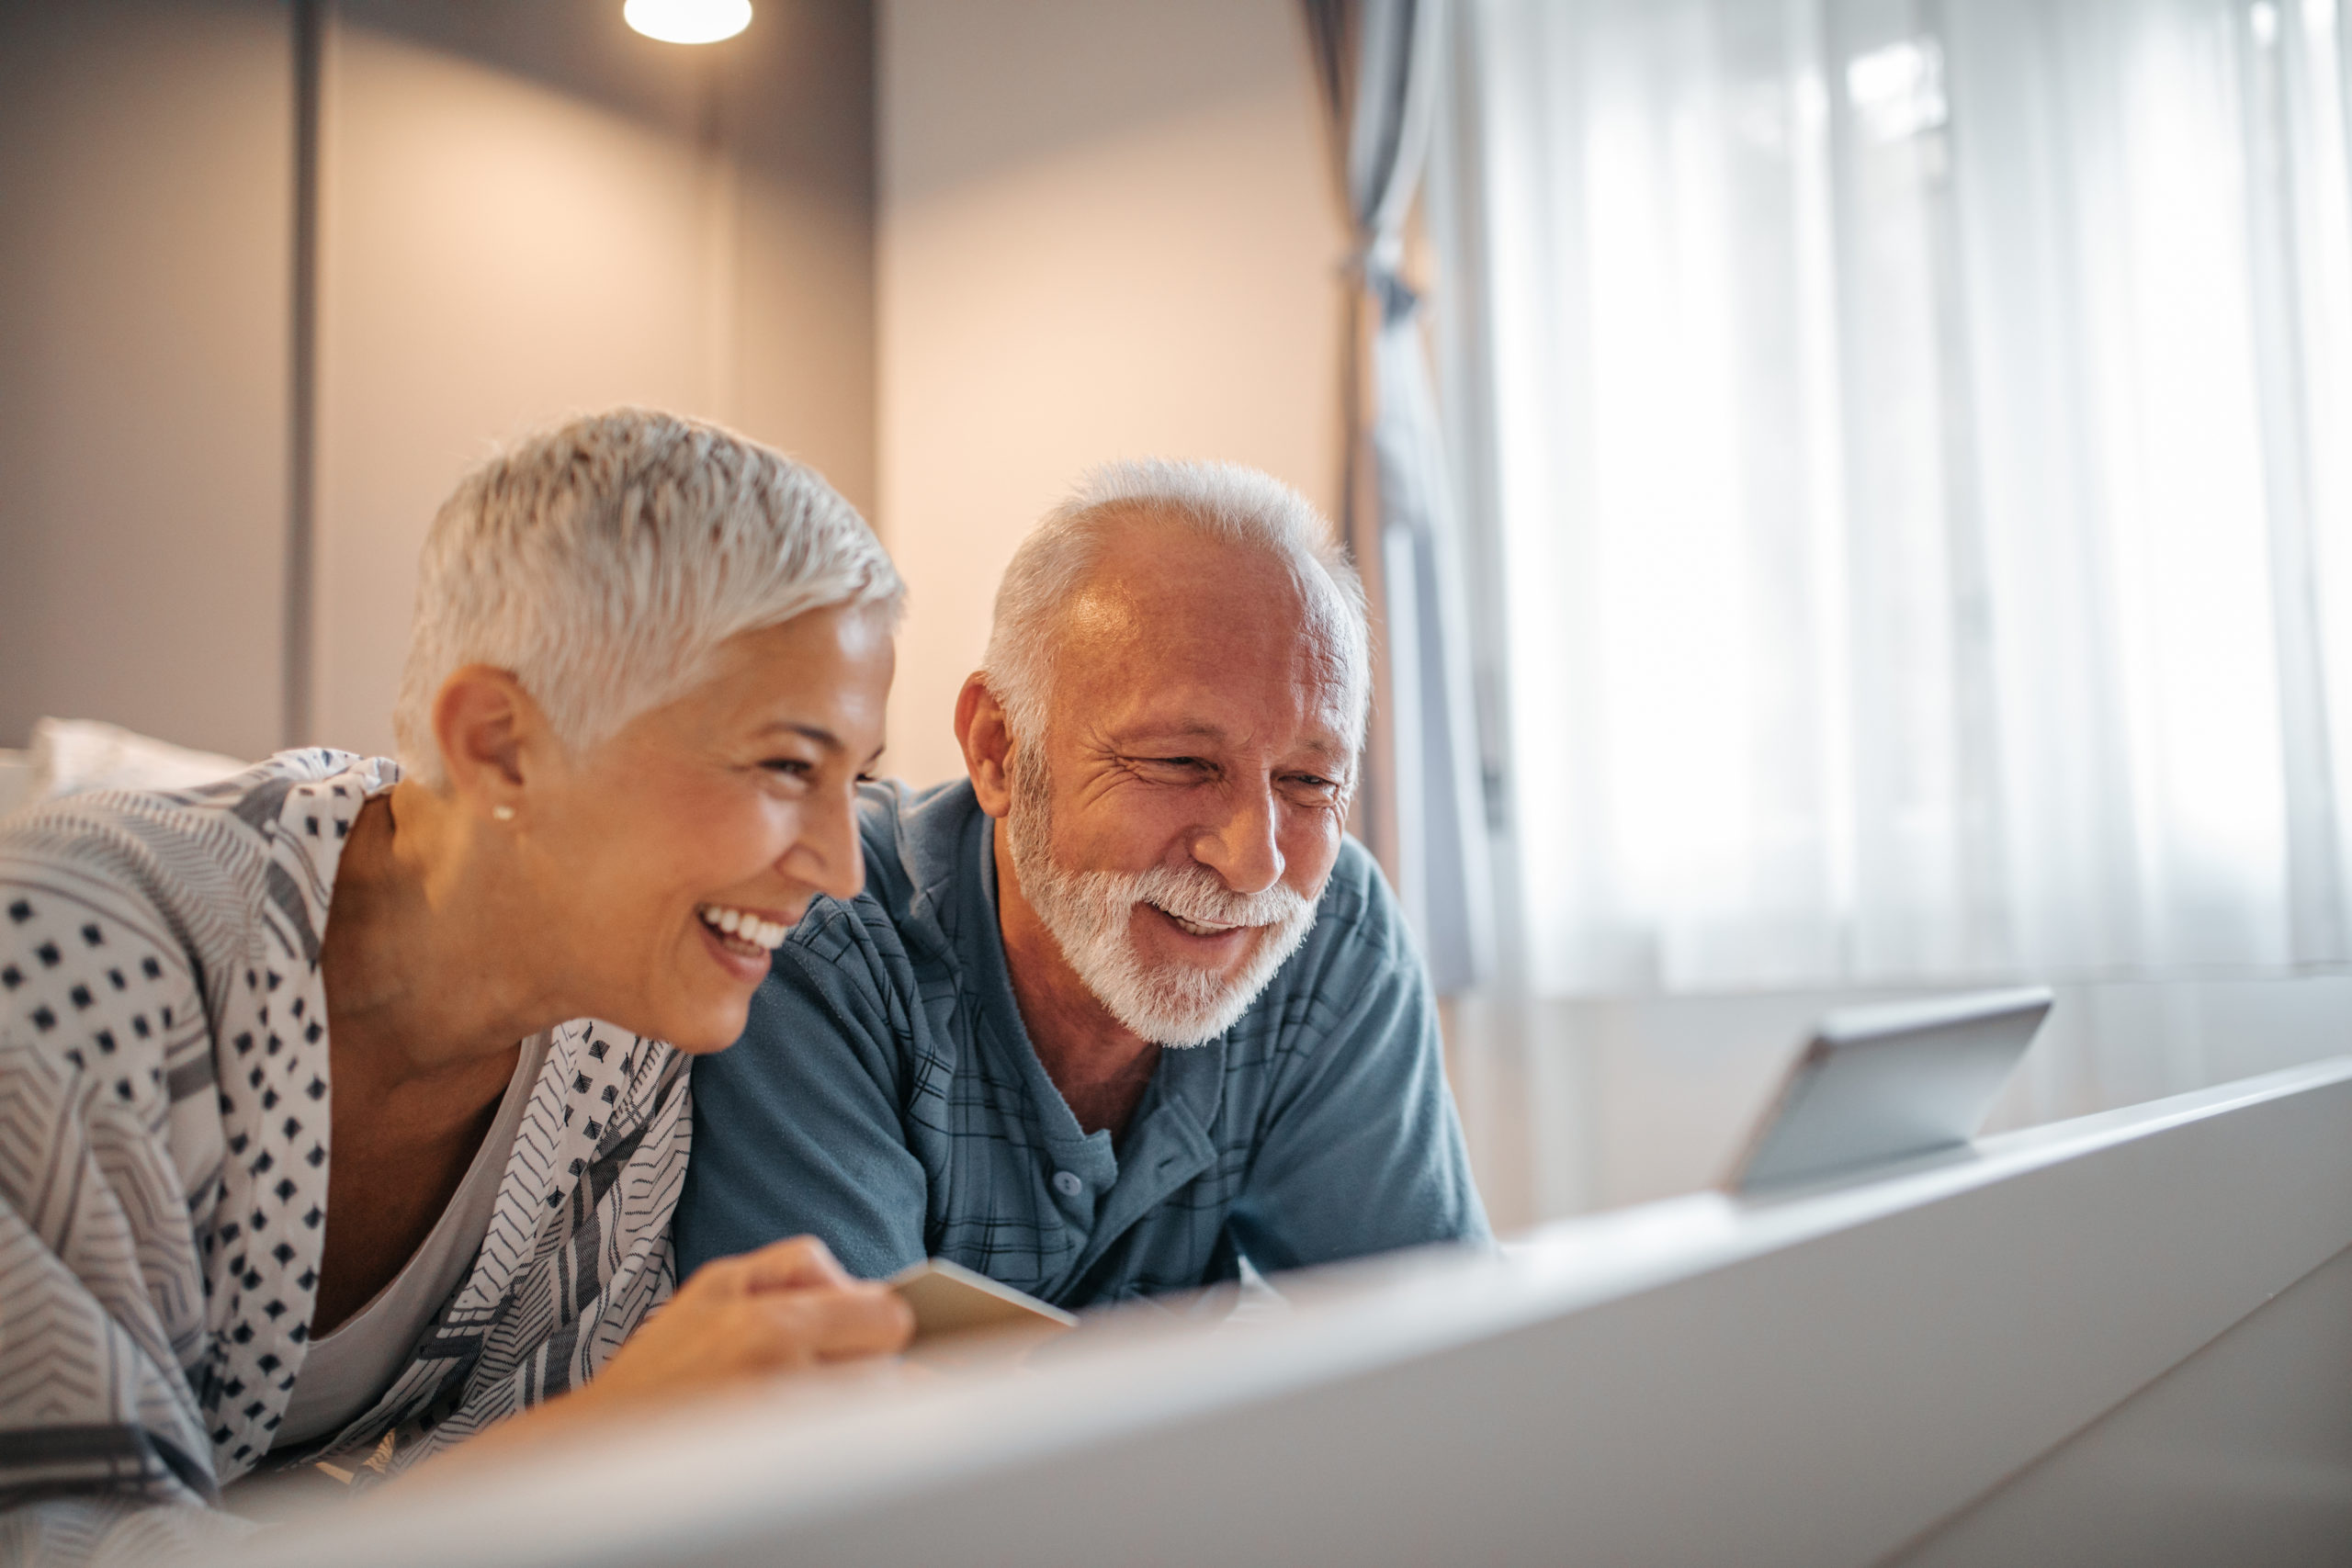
(1175, 823)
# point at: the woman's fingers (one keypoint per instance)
(797, 1304)
(783, 1306)
(826, 1324)
(795, 1263)
(788, 1304)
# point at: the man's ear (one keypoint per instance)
(987, 741)
(490, 732)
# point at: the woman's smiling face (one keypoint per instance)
(680, 850)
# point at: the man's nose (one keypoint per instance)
(826, 853)
(1242, 849)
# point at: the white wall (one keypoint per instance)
(145, 240)
(1107, 229)
(531, 212)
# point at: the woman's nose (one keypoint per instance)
(827, 855)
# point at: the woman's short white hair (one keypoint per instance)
(1222, 501)
(602, 563)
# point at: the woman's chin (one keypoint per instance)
(705, 1002)
(710, 1028)
(708, 1013)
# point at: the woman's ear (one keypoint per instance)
(980, 729)
(490, 733)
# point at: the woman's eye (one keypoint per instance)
(869, 778)
(790, 767)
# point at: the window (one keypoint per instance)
(1917, 483)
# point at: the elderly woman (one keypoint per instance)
(342, 1104)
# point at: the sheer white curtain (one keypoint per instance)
(1917, 446)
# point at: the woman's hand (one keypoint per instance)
(785, 1306)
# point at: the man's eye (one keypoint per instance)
(791, 767)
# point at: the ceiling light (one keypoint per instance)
(688, 21)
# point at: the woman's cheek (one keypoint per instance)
(770, 831)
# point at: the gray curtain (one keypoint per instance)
(1379, 62)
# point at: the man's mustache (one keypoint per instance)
(1195, 894)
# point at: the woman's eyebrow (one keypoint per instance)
(816, 732)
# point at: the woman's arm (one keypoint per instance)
(105, 1089)
(783, 1307)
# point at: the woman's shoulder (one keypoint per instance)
(129, 913)
(233, 816)
(175, 853)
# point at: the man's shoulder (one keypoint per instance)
(909, 839)
(1357, 914)
(857, 971)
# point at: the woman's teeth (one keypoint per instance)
(743, 930)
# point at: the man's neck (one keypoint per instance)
(1100, 1066)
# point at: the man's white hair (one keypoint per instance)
(603, 563)
(1221, 501)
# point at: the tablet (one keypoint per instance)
(948, 1298)
(1878, 1084)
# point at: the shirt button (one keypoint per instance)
(1068, 1184)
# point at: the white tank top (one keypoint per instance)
(348, 1371)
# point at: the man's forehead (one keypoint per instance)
(1177, 630)
(1143, 644)
(1163, 579)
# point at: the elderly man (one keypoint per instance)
(1125, 1007)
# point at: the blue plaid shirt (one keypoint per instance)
(885, 1097)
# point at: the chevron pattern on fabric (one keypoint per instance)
(163, 1149)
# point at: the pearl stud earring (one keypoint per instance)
(503, 813)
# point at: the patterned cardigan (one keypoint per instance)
(163, 1127)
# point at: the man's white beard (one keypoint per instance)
(1088, 913)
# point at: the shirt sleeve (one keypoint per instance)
(797, 1125)
(103, 1306)
(114, 1532)
(1362, 1150)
